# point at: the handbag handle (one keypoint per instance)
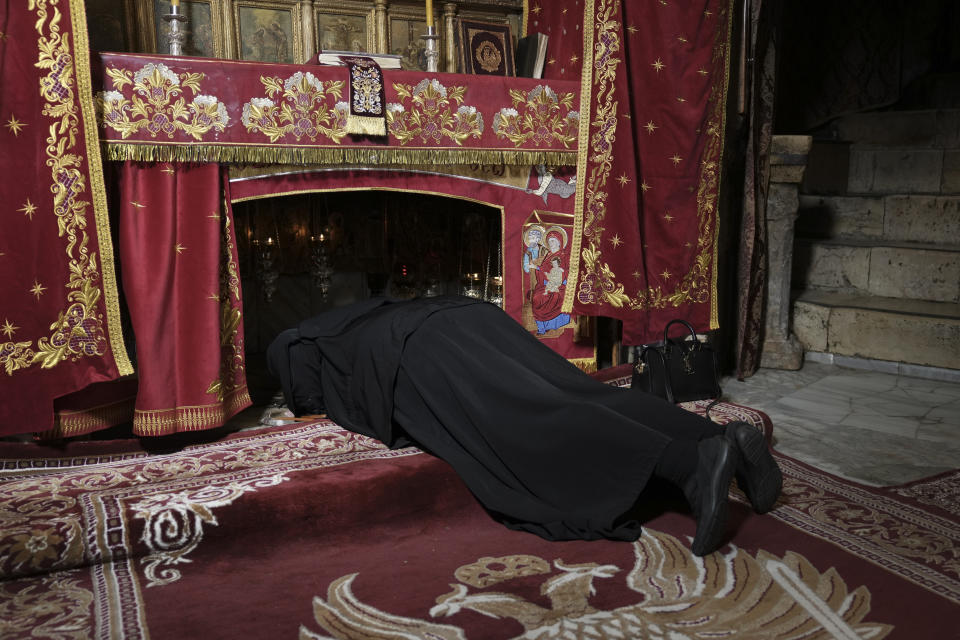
(666, 375)
(666, 331)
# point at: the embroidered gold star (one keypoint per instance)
(9, 328)
(679, 99)
(3, 36)
(668, 217)
(651, 127)
(179, 248)
(213, 296)
(574, 59)
(137, 205)
(637, 274)
(37, 289)
(15, 125)
(687, 244)
(28, 209)
(702, 71)
(658, 65)
(681, 39)
(623, 179)
(644, 187)
(535, 10)
(564, 11)
(632, 29)
(708, 13)
(167, 169)
(214, 215)
(616, 241)
(666, 275)
(551, 61)
(676, 159)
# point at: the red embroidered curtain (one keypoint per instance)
(59, 311)
(182, 286)
(653, 93)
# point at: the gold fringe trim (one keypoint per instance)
(68, 424)
(256, 154)
(587, 365)
(366, 125)
(166, 421)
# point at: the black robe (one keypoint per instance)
(543, 446)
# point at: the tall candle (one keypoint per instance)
(429, 13)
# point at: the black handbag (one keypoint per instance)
(679, 370)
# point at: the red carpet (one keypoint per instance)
(312, 532)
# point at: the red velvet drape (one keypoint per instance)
(653, 96)
(59, 311)
(181, 283)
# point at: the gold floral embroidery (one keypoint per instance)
(546, 117)
(597, 282)
(303, 112)
(157, 103)
(16, 355)
(430, 116)
(78, 330)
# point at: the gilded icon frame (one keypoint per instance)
(268, 30)
(344, 26)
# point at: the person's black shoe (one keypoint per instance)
(758, 474)
(707, 492)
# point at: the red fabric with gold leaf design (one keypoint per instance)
(178, 257)
(59, 313)
(198, 109)
(655, 85)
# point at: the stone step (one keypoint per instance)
(837, 168)
(893, 218)
(899, 270)
(902, 170)
(908, 331)
(922, 128)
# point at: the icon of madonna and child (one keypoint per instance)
(546, 265)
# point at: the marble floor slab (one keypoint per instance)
(872, 427)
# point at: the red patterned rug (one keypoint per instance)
(309, 531)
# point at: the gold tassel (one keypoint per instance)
(366, 125)
(359, 155)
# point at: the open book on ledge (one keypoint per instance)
(385, 60)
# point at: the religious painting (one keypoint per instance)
(110, 25)
(546, 265)
(198, 28)
(269, 32)
(486, 48)
(406, 40)
(340, 29)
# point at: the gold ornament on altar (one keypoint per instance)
(488, 57)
